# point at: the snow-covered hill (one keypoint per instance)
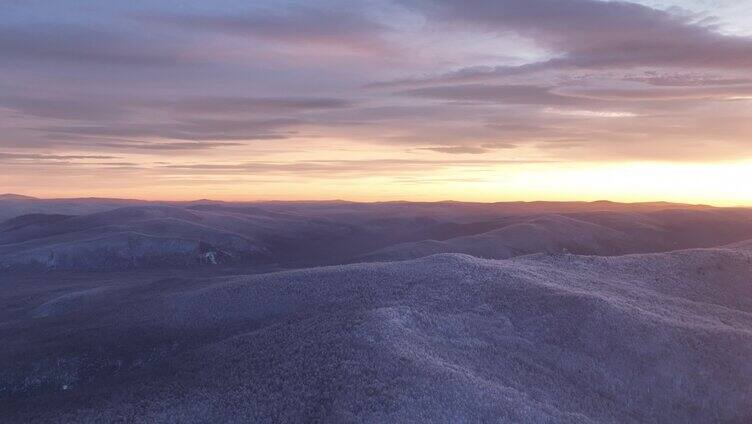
(649, 338)
(592, 233)
(327, 233)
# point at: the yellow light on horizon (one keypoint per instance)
(725, 184)
(720, 183)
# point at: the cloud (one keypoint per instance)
(338, 28)
(498, 145)
(469, 150)
(192, 122)
(505, 94)
(35, 160)
(553, 79)
(664, 94)
(85, 46)
(197, 129)
(235, 104)
(42, 156)
(593, 102)
(686, 80)
(340, 168)
(156, 146)
(64, 108)
(592, 113)
(107, 107)
(457, 150)
(588, 34)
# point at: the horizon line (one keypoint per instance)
(340, 200)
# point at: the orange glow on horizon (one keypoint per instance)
(719, 184)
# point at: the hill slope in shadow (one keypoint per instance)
(300, 234)
(591, 233)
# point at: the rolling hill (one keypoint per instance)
(592, 233)
(299, 234)
(645, 338)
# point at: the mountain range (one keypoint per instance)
(193, 312)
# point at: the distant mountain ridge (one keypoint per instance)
(11, 196)
(97, 235)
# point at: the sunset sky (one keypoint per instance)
(483, 100)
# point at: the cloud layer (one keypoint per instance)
(392, 88)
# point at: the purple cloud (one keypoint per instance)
(589, 34)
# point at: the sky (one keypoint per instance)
(476, 100)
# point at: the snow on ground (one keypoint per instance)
(448, 338)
